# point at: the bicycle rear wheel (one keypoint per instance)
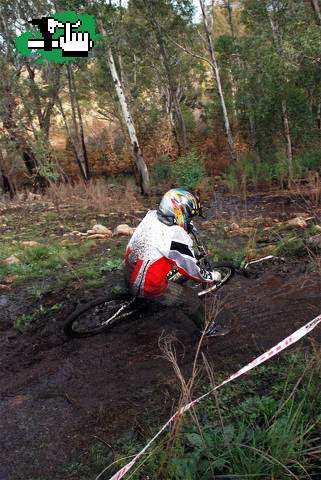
(99, 315)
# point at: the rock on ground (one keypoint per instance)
(123, 229)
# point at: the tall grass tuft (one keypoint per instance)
(95, 195)
(240, 433)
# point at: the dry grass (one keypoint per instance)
(187, 387)
(95, 195)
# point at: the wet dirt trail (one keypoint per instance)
(50, 385)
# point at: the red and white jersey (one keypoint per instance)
(152, 252)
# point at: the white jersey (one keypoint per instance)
(152, 252)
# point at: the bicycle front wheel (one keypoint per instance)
(226, 270)
(99, 315)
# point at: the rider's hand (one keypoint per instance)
(216, 276)
(211, 276)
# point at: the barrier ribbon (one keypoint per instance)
(294, 337)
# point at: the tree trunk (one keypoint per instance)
(76, 140)
(47, 111)
(73, 145)
(8, 186)
(242, 73)
(81, 128)
(278, 43)
(171, 86)
(169, 110)
(44, 113)
(141, 166)
(287, 134)
(317, 10)
(219, 86)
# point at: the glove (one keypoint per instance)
(211, 275)
(216, 276)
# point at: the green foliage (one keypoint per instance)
(310, 160)
(188, 117)
(47, 167)
(250, 172)
(247, 172)
(35, 254)
(188, 172)
(263, 435)
(23, 322)
(259, 439)
(162, 171)
(111, 265)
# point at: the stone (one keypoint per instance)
(123, 229)
(11, 260)
(28, 244)
(4, 299)
(34, 196)
(11, 278)
(246, 230)
(298, 222)
(98, 228)
(315, 240)
(97, 235)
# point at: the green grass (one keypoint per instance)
(291, 247)
(271, 422)
(25, 322)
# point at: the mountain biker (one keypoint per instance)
(160, 242)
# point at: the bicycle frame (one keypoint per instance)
(200, 254)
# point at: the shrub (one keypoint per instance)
(247, 171)
(162, 171)
(310, 160)
(189, 171)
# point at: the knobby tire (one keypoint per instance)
(74, 320)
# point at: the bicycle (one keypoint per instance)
(105, 312)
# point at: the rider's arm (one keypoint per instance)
(181, 254)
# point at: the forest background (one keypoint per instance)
(165, 97)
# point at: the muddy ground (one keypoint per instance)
(56, 392)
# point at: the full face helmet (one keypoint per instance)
(179, 206)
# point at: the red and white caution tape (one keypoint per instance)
(262, 358)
